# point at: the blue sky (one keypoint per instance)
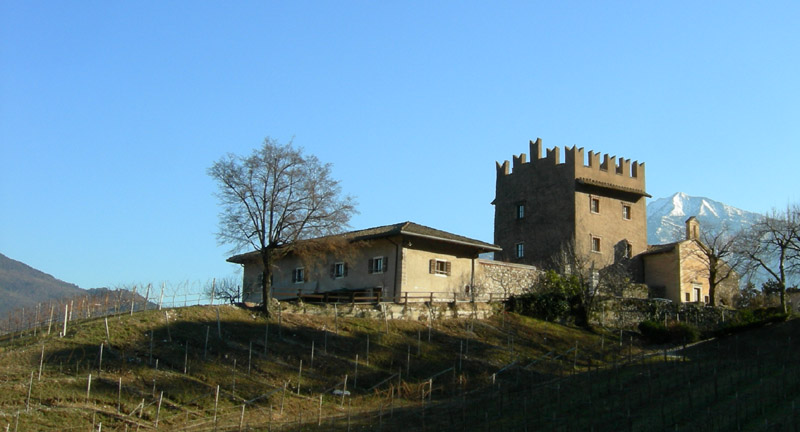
(111, 112)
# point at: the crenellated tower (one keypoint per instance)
(594, 201)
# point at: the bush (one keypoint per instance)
(683, 333)
(654, 332)
(657, 333)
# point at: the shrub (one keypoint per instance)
(683, 333)
(654, 332)
(657, 333)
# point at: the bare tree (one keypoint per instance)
(716, 251)
(772, 245)
(275, 197)
(226, 289)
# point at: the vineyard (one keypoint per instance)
(204, 368)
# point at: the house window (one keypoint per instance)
(628, 250)
(688, 297)
(520, 249)
(378, 264)
(439, 267)
(520, 211)
(626, 212)
(298, 275)
(594, 205)
(339, 270)
(596, 244)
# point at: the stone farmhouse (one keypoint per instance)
(590, 204)
(404, 262)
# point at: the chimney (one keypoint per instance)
(692, 229)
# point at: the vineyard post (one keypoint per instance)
(311, 366)
(100, 362)
(219, 325)
(66, 315)
(41, 363)
(133, 299)
(233, 385)
(119, 396)
(249, 358)
(146, 297)
(283, 395)
(108, 334)
(344, 388)
(161, 297)
(355, 376)
(50, 321)
(216, 402)
(241, 418)
(205, 347)
(88, 388)
(319, 415)
(158, 410)
(299, 376)
(30, 388)
(367, 349)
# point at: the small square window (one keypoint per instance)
(594, 205)
(377, 265)
(298, 275)
(626, 212)
(520, 249)
(688, 297)
(520, 211)
(596, 244)
(339, 270)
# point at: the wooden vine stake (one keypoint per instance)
(216, 403)
(41, 363)
(30, 388)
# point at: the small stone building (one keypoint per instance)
(680, 271)
(401, 262)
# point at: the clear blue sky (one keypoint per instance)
(111, 112)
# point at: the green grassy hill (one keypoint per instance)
(226, 368)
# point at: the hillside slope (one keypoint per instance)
(24, 286)
(227, 368)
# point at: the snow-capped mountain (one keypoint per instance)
(666, 217)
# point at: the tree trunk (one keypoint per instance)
(266, 279)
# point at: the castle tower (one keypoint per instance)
(596, 204)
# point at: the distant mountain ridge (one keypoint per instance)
(24, 286)
(666, 217)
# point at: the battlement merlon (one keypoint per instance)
(610, 170)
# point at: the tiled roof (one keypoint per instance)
(597, 183)
(410, 229)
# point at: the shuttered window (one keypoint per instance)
(299, 275)
(339, 270)
(439, 267)
(378, 264)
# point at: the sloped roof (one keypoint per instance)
(409, 229)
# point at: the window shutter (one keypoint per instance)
(432, 266)
(344, 269)
(333, 271)
(385, 264)
(371, 263)
(294, 276)
(305, 275)
(447, 267)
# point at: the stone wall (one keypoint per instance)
(627, 313)
(394, 311)
(504, 279)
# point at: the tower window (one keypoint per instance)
(594, 205)
(520, 213)
(626, 212)
(628, 250)
(596, 244)
(520, 250)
